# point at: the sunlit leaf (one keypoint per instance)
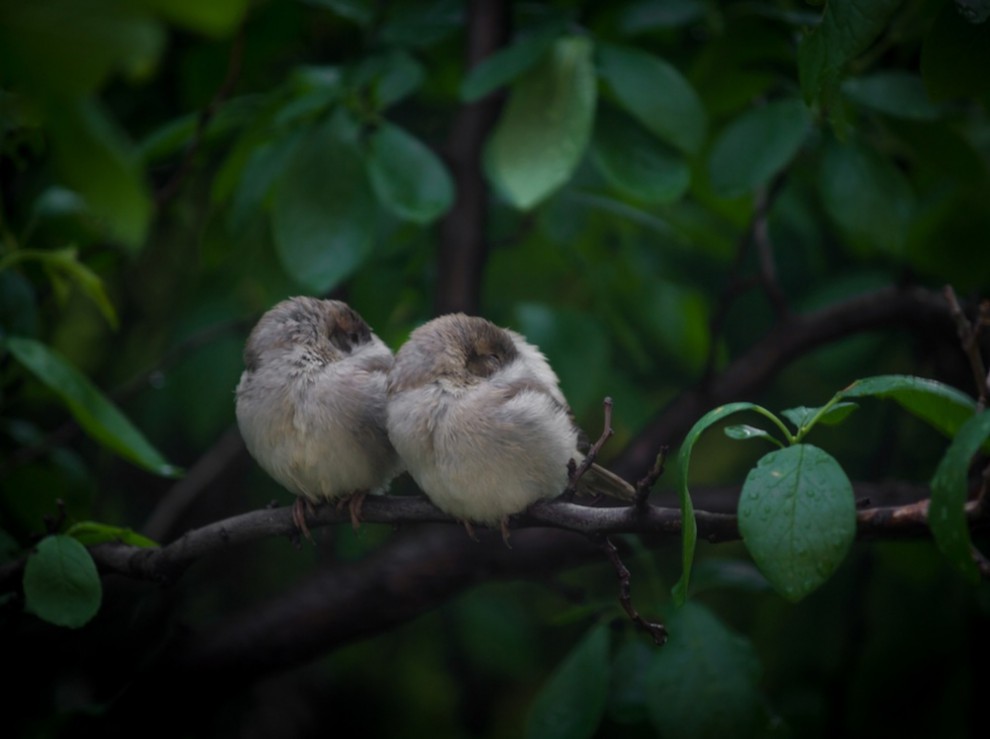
(703, 683)
(756, 146)
(100, 418)
(572, 702)
(797, 515)
(946, 514)
(656, 94)
(324, 212)
(545, 126)
(636, 162)
(408, 178)
(61, 584)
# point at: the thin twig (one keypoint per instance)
(576, 473)
(645, 485)
(967, 337)
(656, 630)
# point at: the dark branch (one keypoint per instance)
(656, 630)
(968, 338)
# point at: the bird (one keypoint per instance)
(311, 401)
(477, 416)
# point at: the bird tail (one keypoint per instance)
(599, 481)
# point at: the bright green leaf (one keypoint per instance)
(324, 212)
(688, 524)
(744, 431)
(797, 515)
(656, 94)
(100, 418)
(803, 415)
(61, 584)
(898, 94)
(507, 64)
(545, 126)
(757, 146)
(947, 514)
(868, 197)
(847, 29)
(703, 683)
(89, 533)
(636, 162)
(408, 178)
(940, 405)
(572, 702)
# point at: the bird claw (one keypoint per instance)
(299, 516)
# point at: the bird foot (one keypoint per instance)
(299, 509)
(504, 526)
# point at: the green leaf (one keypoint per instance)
(847, 29)
(61, 584)
(756, 146)
(64, 264)
(797, 516)
(803, 415)
(324, 212)
(955, 56)
(408, 178)
(100, 418)
(545, 127)
(89, 533)
(947, 514)
(940, 405)
(361, 12)
(688, 523)
(636, 162)
(656, 94)
(703, 683)
(98, 163)
(743, 432)
(898, 94)
(216, 18)
(507, 64)
(66, 48)
(392, 77)
(714, 573)
(572, 702)
(868, 197)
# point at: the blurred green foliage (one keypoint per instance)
(171, 168)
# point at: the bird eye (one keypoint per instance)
(354, 337)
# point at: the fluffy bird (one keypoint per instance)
(311, 404)
(478, 419)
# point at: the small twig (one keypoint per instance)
(967, 337)
(576, 473)
(656, 630)
(645, 485)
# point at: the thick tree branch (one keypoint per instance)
(792, 338)
(463, 243)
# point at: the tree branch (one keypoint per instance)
(463, 243)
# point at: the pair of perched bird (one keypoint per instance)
(472, 411)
